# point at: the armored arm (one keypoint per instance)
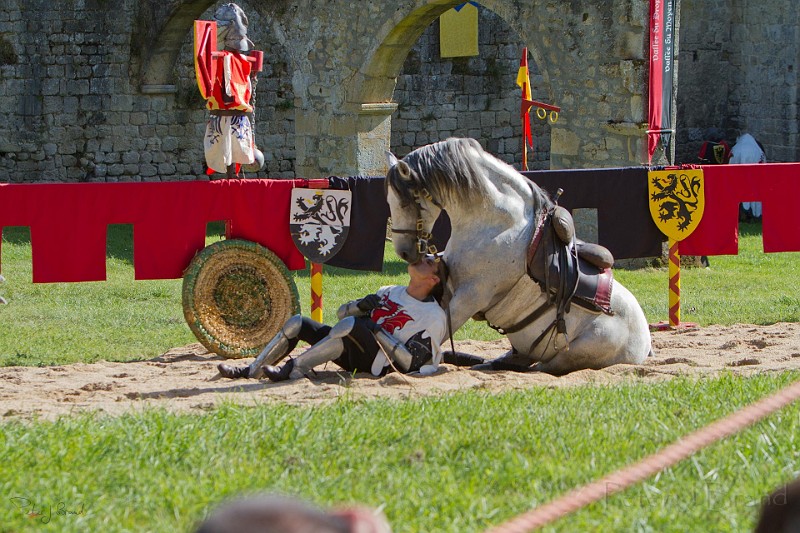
(360, 307)
(395, 350)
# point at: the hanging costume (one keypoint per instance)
(229, 135)
(225, 79)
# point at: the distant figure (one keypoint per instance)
(714, 153)
(748, 150)
(780, 512)
(278, 514)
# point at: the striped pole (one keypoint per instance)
(316, 292)
(674, 284)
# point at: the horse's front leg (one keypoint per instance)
(465, 302)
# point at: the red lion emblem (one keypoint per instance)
(388, 317)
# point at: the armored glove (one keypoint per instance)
(369, 302)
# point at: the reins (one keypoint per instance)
(445, 303)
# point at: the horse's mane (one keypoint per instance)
(447, 170)
(450, 170)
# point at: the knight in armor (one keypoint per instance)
(400, 327)
(229, 138)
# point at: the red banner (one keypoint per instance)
(662, 44)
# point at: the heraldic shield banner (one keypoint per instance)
(677, 201)
(319, 221)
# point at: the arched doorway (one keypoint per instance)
(469, 96)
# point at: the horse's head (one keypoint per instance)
(232, 27)
(413, 211)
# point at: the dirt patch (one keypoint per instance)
(185, 379)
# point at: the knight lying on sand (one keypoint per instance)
(398, 328)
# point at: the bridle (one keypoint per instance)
(424, 238)
(424, 246)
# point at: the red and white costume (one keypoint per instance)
(420, 326)
(229, 134)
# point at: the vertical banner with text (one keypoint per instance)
(662, 45)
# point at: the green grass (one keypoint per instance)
(433, 464)
(461, 463)
(749, 288)
(122, 320)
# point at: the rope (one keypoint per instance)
(621, 479)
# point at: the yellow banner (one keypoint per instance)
(677, 201)
(458, 32)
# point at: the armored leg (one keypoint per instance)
(328, 349)
(278, 348)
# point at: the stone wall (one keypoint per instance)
(103, 90)
(738, 65)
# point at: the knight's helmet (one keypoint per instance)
(232, 28)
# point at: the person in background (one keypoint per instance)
(748, 150)
(780, 511)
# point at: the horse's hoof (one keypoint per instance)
(500, 365)
(462, 359)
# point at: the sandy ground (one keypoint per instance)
(185, 379)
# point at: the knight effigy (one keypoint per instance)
(226, 67)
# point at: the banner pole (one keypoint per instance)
(662, 198)
(674, 284)
(316, 292)
(524, 153)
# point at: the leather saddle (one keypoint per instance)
(568, 269)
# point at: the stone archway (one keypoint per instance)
(119, 113)
(378, 79)
(160, 50)
(472, 96)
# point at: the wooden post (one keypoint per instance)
(316, 292)
(674, 284)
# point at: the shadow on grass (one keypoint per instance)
(119, 242)
(749, 229)
(17, 234)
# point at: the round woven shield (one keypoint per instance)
(236, 296)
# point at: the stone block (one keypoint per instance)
(564, 142)
(148, 171)
(449, 123)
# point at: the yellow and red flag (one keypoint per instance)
(524, 81)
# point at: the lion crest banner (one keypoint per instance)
(319, 222)
(677, 200)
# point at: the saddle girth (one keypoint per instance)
(561, 271)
